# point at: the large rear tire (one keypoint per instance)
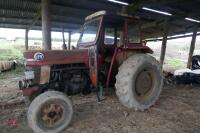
(50, 112)
(139, 82)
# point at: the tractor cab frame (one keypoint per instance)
(110, 37)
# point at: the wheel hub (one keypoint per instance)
(52, 114)
(144, 82)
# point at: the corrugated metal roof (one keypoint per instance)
(70, 14)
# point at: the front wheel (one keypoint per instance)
(50, 112)
(139, 82)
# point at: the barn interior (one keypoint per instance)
(161, 21)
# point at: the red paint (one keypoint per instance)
(53, 57)
(126, 33)
(29, 91)
(93, 77)
(140, 48)
(12, 122)
(111, 65)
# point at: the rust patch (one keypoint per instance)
(45, 74)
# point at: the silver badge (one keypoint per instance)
(39, 56)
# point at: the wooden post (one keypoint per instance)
(63, 37)
(164, 42)
(26, 39)
(192, 47)
(46, 24)
(69, 40)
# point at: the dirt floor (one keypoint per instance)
(177, 110)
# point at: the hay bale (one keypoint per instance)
(7, 65)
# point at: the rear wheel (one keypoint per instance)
(139, 82)
(50, 112)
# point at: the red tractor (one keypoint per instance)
(110, 53)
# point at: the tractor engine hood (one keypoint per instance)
(54, 57)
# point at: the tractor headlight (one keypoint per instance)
(39, 56)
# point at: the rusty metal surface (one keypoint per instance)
(52, 114)
(45, 74)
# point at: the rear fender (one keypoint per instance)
(138, 48)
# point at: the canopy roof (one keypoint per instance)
(70, 14)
